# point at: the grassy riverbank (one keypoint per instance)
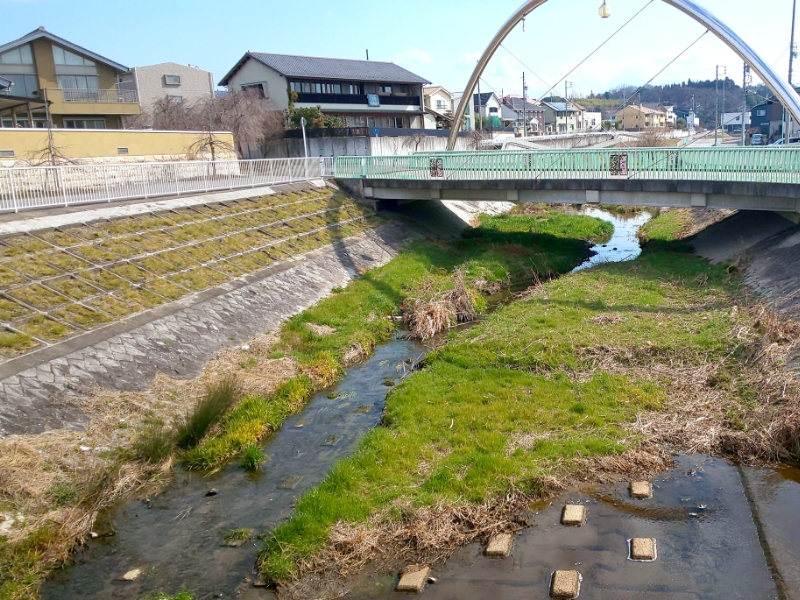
(311, 351)
(600, 370)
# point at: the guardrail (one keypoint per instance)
(23, 188)
(759, 165)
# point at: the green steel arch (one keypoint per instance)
(781, 88)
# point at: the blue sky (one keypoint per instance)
(439, 39)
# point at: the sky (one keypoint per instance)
(439, 40)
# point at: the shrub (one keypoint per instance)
(154, 444)
(252, 458)
(216, 402)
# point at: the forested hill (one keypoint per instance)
(680, 95)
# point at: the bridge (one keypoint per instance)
(737, 178)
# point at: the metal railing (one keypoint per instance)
(100, 96)
(759, 165)
(23, 188)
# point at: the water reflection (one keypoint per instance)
(623, 245)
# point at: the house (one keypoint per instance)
(179, 83)
(688, 115)
(79, 86)
(732, 122)
(588, 120)
(487, 105)
(637, 117)
(671, 118)
(469, 112)
(526, 111)
(439, 107)
(364, 93)
(562, 117)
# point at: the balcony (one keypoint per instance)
(357, 99)
(92, 102)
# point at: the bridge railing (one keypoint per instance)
(23, 188)
(760, 165)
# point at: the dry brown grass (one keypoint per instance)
(432, 312)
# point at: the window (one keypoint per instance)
(492, 109)
(84, 123)
(761, 112)
(441, 104)
(172, 79)
(399, 122)
(25, 86)
(256, 88)
(65, 57)
(385, 88)
(356, 89)
(79, 82)
(175, 99)
(122, 151)
(17, 56)
(7, 154)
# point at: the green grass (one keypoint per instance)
(217, 400)
(500, 406)
(163, 596)
(153, 444)
(252, 458)
(664, 229)
(22, 565)
(238, 535)
(63, 494)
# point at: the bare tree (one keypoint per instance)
(414, 141)
(651, 138)
(476, 138)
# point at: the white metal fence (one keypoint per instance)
(39, 187)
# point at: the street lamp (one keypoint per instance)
(604, 11)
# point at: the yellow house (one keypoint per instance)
(52, 79)
(637, 117)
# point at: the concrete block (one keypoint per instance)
(413, 579)
(565, 585)
(592, 197)
(641, 490)
(512, 195)
(643, 549)
(699, 200)
(574, 515)
(131, 575)
(500, 545)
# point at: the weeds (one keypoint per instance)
(252, 458)
(154, 444)
(216, 402)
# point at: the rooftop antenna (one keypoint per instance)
(367, 53)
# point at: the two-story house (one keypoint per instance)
(562, 117)
(72, 86)
(637, 117)
(529, 116)
(439, 107)
(179, 83)
(487, 105)
(364, 93)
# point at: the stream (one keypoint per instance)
(176, 539)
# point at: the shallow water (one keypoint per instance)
(707, 542)
(623, 245)
(176, 539)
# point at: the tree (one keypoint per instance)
(681, 123)
(315, 119)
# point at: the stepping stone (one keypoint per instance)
(290, 482)
(363, 409)
(643, 549)
(641, 490)
(500, 545)
(302, 423)
(565, 585)
(574, 515)
(413, 579)
(131, 575)
(332, 440)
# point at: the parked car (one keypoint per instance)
(757, 139)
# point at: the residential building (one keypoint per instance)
(671, 118)
(469, 113)
(371, 94)
(588, 120)
(732, 122)
(525, 111)
(637, 117)
(179, 83)
(439, 107)
(688, 115)
(75, 86)
(562, 117)
(487, 105)
(767, 119)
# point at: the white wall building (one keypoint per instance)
(364, 93)
(180, 83)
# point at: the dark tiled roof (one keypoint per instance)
(485, 97)
(43, 33)
(314, 67)
(517, 104)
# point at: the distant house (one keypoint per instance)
(589, 120)
(487, 105)
(688, 115)
(469, 113)
(671, 118)
(732, 122)
(637, 117)
(439, 107)
(364, 93)
(562, 117)
(529, 111)
(767, 118)
(179, 83)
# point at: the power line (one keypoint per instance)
(689, 47)
(524, 65)
(597, 49)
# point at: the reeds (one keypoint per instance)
(435, 311)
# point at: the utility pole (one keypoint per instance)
(792, 56)
(524, 107)
(480, 107)
(724, 88)
(717, 119)
(744, 102)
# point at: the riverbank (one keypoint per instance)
(273, 377)
(598, 375)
